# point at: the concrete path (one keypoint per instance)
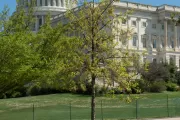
(167, 119)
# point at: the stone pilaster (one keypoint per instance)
(165, 35)
(139, 34)
(175, 37)
(43, 2)
(49, 2)
(54, 2)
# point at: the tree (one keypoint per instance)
(156, 72)
(172, 69)
(17, 57)
(99, 55)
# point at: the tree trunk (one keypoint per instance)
(93, 77)
(93, 97)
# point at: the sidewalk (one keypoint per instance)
(167, 119)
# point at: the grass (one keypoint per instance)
(57, 107)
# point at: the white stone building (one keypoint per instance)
(154, 31)
(44, 7)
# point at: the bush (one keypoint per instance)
(34, 89)
(171, 86)
(158, 86)
(141, 87)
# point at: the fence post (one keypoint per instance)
(168, 105)
(70, 111)
(136, 109)
(102, 111)
(33, 111)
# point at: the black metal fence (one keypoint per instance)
(106, 109)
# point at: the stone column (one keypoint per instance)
(54, 2)
(49, 2)
(149, 39)
(128, 27)
(177, 60)
(165, 34)
(68, 3)
(64, 3)
(167, 58)
(175, 37)
(43, 2)
(139, 34)
(36, 24)
(38, 2)
(59, 3)
(43, 20)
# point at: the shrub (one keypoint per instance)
(117, 90)
(33, 90)
(103, 90)
(171, 86)
(158, 86)
(141, 87)
(178, 88)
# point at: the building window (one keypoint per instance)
(154, 60)
(154, 40)
(161, 60)
(162, 27)
(144, 41)
(144, 24)
(40, 22)
(135, 40)
(172, 43)
(154, 43)
(134, 23)
(154, 26)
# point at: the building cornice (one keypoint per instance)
(144, 7)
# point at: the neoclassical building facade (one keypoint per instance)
(44, 7)
(154, 31)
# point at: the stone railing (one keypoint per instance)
(147, 7)
(46, 8)
(135, 6)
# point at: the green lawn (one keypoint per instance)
(57, 107)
